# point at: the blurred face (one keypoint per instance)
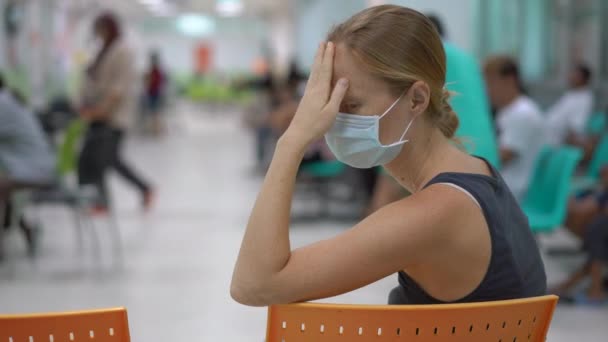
(99, 31)
(496, 86)
(575, 79)
(368, 95)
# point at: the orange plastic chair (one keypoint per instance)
(108, 325)
(519, 320)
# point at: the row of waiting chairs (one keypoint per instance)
(510, 320)
(78, 200)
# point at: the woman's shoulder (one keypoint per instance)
(439, 207)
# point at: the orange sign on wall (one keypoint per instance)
(203, 58)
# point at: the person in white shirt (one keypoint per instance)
(567, 118)
(518, 120)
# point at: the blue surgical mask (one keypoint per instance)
(355, 141)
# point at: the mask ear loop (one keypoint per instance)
(391, 107)
(408, 126)
(405, 132)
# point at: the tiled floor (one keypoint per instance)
(178, 258)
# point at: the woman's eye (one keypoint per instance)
(351, 107)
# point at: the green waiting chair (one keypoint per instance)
(597, 123)
(321, 175)
(546, 201)
(599, 159)
(78, 200)
(324, 169)
(67, 154)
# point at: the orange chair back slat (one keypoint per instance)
(520, 320)
(109, 325)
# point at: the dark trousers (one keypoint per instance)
(100, 152)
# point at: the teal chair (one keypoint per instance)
(324, 169)
(600, 158)
(596, 123)
(321, 175)
(546, 201)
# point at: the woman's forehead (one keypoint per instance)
(361, 83)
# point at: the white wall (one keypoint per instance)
(457, 16)
(314, 19)
(235, 46)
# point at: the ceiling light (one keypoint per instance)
(229, 8)
(151, 2)
(195, 25)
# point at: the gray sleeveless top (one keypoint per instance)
(516, 269)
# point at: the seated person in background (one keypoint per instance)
(583, 209)
(26, 160)
(594, 232)
(596, 247)
(519, 122)
(567, 118)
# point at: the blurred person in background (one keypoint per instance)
(26, 159)
(519, 122)
(258, 113)
(586, 206)
(377, 93)
(567, 118)
(155, 82)
(108, 104)
(588, 219)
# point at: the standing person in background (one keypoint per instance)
(109, 105)
(519, 122)
(155, 82)
(567, 118)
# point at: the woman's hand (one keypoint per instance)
(319, 106)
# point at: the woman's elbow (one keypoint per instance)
(248, 295)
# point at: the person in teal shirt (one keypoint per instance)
(469, 101)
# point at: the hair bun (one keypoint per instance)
(448, 120)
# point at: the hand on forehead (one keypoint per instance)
(362, 84)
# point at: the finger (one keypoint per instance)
(327, 67)
(337, 95)
(317, 63)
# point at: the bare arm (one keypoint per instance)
(266, 249)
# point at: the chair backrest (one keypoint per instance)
(324, 169)
(549, 186)
(600, 158)
(109, 325)
(597, 123)
(67, 154)
(500, 321)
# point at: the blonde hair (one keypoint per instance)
(401, 46)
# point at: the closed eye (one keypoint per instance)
(350, 107)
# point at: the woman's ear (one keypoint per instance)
(419, 96)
